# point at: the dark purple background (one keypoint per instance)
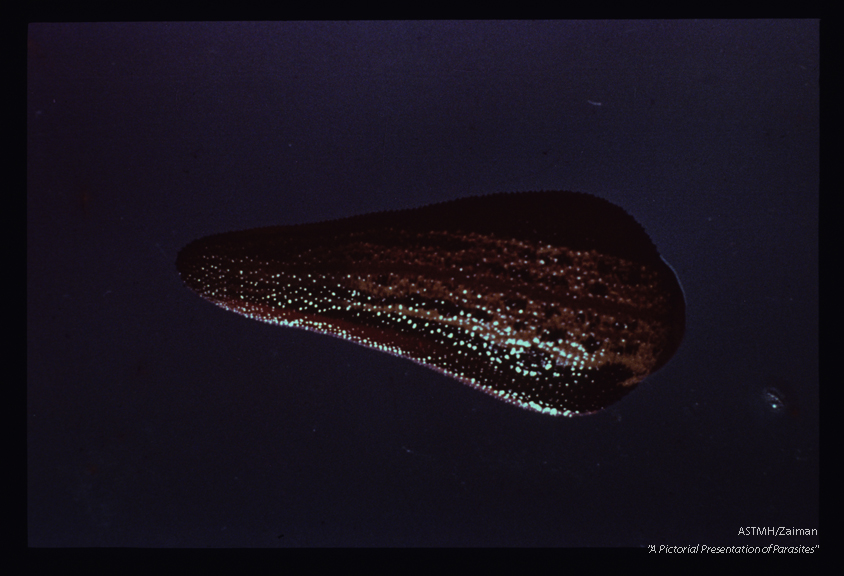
(156, 419)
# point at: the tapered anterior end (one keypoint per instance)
(188, 263)
(199, 266)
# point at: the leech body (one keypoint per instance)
(554, 301)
